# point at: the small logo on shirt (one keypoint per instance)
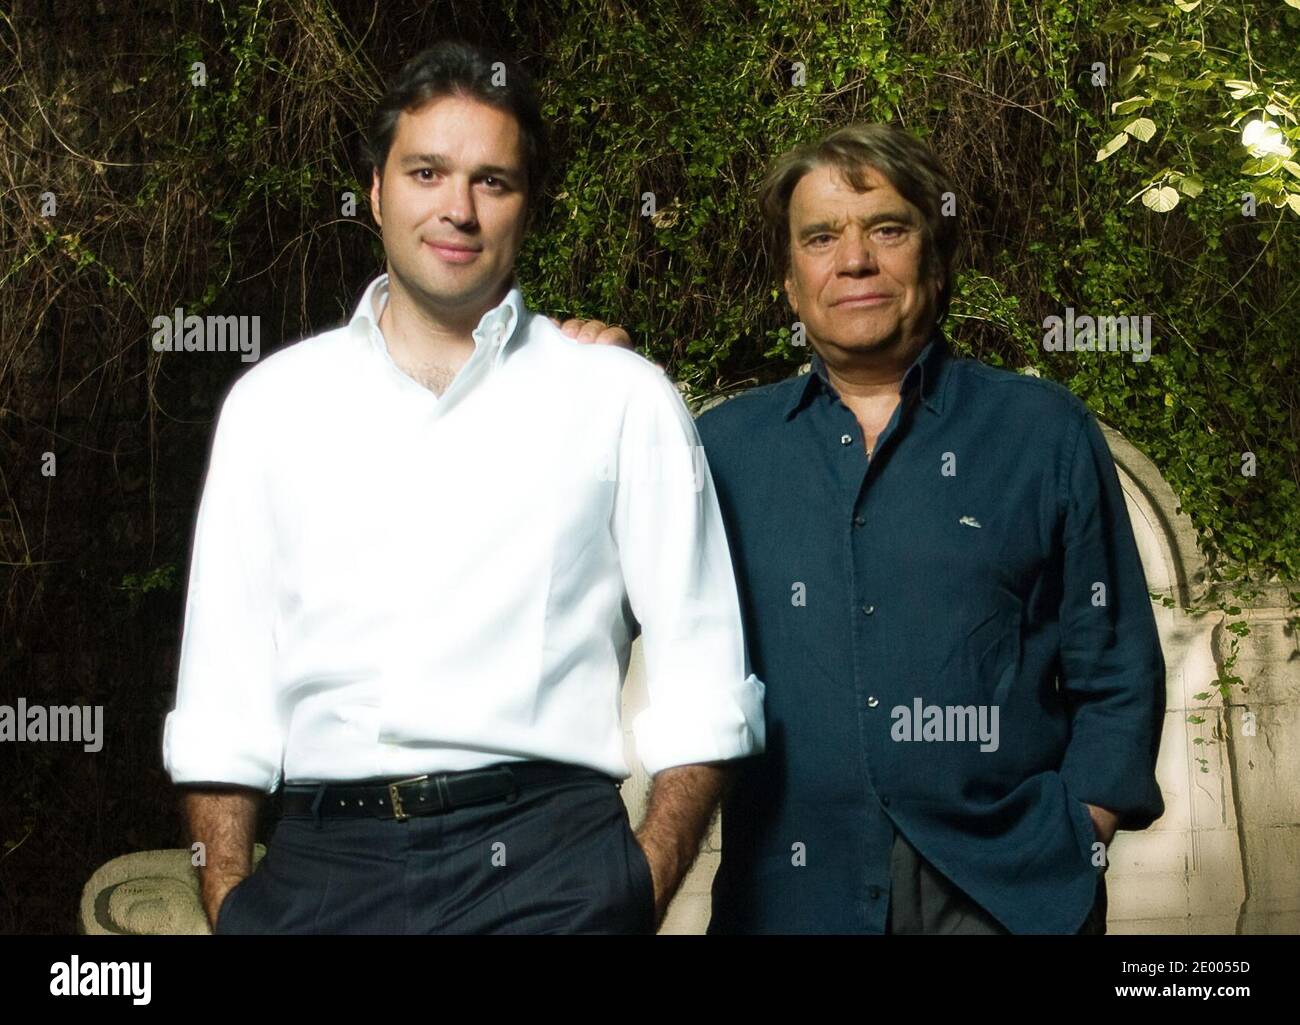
(969, 521)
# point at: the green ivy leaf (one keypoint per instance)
(1116, 143)
(1129, 105)
(1161, 200)
(1142, 129)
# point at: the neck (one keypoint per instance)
(414, 326)
(868, 383)
(874, 374)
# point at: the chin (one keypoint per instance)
(452, 289)
(876, 345)
(868, 342)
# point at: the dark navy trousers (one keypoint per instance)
(560, 858)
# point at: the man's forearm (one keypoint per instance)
(224, 821)
(682, 802)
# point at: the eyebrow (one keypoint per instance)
(440, 163)
(900, 215)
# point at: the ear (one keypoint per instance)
(788, 284)
(375, 211)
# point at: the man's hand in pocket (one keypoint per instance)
(1104, 823)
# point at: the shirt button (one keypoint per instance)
(846, 439)
(858, 521)
(872, 702)
(873, 892)
(884, 801)
(868, 610)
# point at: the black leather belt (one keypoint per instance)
(426, 795)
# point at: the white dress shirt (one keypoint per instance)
(387, 583)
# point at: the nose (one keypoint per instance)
(459, 203)
(855, 255)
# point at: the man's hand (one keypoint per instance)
(1104, 823)
(682, 802)
(594, 331)
(223, 821)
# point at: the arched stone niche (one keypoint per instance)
(1184, 874)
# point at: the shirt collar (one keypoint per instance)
(927, 373)
(496, 330)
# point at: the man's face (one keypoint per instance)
(857, 277)
(452, 202)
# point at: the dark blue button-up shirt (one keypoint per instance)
(957, 642)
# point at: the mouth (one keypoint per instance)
(869, 299)
(452, 252)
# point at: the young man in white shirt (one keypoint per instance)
(426, 542)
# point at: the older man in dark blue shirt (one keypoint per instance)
(940, 589)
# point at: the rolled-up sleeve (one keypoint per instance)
(704, 704)
(224, 728)
(1112, 667)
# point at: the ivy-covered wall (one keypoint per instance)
(688, 100)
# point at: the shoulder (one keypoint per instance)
(612, 361)
(740, 415)
(611, 372)
(1013, 386)
(294, 372)
(1016, 397)
(1030, 417)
